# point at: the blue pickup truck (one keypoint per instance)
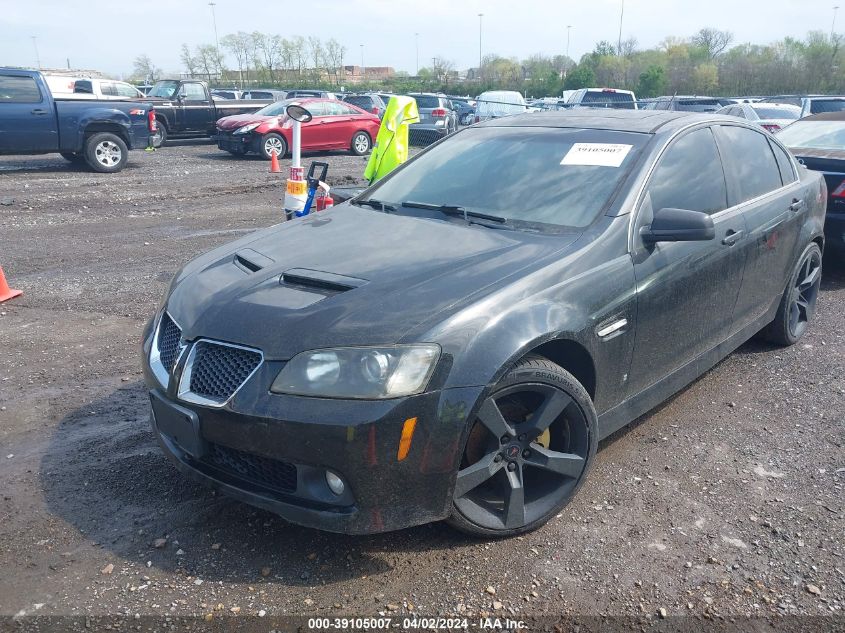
(99, 133)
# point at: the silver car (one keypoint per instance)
(437, 118)
(770, 116)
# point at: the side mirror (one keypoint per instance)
(298, 113)
(678, 225)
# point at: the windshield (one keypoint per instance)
(535, 175)
(814, 134)
(277, 108)
(697, 105)
(817, 106)
(769, 112)
(164, 89)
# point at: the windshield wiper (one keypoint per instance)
(375, 204)
(451, 209)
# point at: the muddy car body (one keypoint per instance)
(455, 348)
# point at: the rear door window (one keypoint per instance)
(787, 173)
(826, 105)
(690, 176)
(83, 86)
(19, 90)
(127, 90)
(750, 161)
(108, 89)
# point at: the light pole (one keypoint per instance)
(566, 63)
(833, 25)
(480, 16)
(216, 40)
(362, 58)
(417, 42)
(621, 15)
(37, 56)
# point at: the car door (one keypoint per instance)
(314, 132)
(195, 108)
(763, 184)
(336, 127)
(27, 119)
(686, 291)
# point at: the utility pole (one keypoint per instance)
(417, 42)
(480, 16)
(566, 63)
(37, 56)
(217, 41)
(833, 25)
(362, 58)
(621, 15)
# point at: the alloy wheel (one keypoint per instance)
(805, 293)
(108, 153)
(362, 143)
(525, 455)
(273, 145)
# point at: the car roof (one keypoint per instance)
(643, 121)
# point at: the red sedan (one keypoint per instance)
(336, 125)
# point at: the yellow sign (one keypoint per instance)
(297, 187)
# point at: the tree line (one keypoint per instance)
(707, 62)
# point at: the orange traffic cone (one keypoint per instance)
(274, 163)
(7, 293)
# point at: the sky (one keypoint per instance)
(107, 35)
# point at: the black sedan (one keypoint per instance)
(454, 342)
(818, 142)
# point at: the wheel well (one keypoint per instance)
(160, 120)
(574, 358)
(94, 128)
(819, 239)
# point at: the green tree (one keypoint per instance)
(652, 82)
(582, 76)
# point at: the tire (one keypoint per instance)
(105, 152)
(797, 306)
(274, 143)
(73, 157)
(509, 482)
(160, 137)
(361, 143)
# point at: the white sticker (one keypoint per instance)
(599, 154)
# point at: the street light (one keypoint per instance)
(833, 25)
(37, 56)
(566, 63)
(362, 58)
(216, 40)
(417, 42)
(480, 15)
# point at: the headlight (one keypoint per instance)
(246, 128)
(366, 373)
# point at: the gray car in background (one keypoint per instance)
(770, 116)
(370, 101)
(811, 104)
(437, 118)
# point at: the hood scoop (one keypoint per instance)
(251, 261)
(319, 280)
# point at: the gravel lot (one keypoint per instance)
(726, 502)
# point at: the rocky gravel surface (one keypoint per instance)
(724, 505)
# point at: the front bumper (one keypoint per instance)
(358, 440)
(237, 143)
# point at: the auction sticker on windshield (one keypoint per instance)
(598, 154)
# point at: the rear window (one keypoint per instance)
(609, 99)
(362, 102)
(554, 185)
(19, 90)
(260, 95)
(814, 135)
(83, 86)
(697, 105)
(818, 106)
(776, 113)
(428, 102)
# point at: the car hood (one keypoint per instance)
(238, 120)
(348, 276)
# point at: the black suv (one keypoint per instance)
(369, 101)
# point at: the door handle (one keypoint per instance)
(797, 205)
(38, 112)
(732, 237)
(323, 122)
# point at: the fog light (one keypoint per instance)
(335, 483)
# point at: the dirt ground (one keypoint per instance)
(727, 502)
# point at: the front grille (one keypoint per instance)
(218, 370)
(266, 472)
(168, 342)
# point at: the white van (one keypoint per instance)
(64, 87)
(498, 103)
